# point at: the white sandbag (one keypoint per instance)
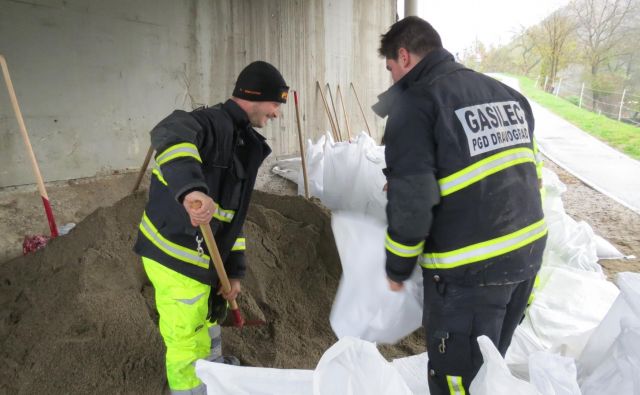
(353, 178)
(568, 306)
(314, 155)
(569, 243)
(353, 367)
(288, 168)
(412, 369)
(494, 377)
(291, 168)
(619, 371)
(222, 379)
(553, 374)
(606, 250)
(364, 305)
(523, 343)
(626, 307)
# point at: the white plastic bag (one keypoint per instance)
(619, 371)
(364, 305)
(314, 156)
(353, 178)
(412, 369)
(626, 307)
(222, 379)
(494, 377)
(569, 243)
(567, 307)
(553, 374)
(606, 250)
(353, 367)
(288, 168)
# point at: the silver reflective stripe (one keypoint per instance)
(215, 333)
(485, 250)
(403, 250)
(455, 385)
(172, 249)
(483, 169)
(223, 215)
(190, 301)
(199, 390)
(178, 151)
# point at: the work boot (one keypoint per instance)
(215, 355)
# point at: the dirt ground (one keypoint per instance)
(78, 316)
(609, 219)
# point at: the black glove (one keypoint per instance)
(218, 307)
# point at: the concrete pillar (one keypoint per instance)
(410, 7)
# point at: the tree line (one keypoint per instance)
(590, 42)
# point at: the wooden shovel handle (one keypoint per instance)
(143, 169)
(32, 156)
(215, 256)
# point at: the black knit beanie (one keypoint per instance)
(260, 81)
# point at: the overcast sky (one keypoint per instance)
(459, 22)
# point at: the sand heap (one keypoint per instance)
(78, 316)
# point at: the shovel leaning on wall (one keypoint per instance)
(33, 242)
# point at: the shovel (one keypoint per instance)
(238, 320)
(33, 242)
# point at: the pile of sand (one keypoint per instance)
(78, 316)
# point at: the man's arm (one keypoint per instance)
(412, 188)
(176, 140)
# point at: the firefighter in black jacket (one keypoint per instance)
(463, 199)
(211, 156)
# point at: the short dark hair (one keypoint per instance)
(412, 33)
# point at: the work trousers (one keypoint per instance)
(182, 304)
(455, 316)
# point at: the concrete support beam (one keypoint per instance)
(410, 7)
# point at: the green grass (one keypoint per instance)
(619, 135)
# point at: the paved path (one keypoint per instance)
(592, 161)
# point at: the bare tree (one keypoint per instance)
(529, 58)
(602, 28)
(551, 38)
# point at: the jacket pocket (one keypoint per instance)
(233, 186)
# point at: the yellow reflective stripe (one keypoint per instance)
(170, 248)
(239, 245)
(455, 385)
(539, 160)
(156, 170)
(484, 168)
(485, 250)
(223, 215)
(178, 151)
(219, 213)
(536, 285)
(403, 250)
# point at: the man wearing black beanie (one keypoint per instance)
(209, 159)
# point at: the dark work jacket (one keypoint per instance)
(225, 166)
(444, 120)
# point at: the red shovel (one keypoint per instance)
(31, 243)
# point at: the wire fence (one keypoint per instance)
(622, 106)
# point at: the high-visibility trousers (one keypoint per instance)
(182, 304)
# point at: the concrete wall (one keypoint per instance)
(93, 77)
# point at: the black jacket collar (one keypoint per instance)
(418, 72)
(238, 115)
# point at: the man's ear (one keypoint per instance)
(404, 57)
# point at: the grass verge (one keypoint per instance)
(619, 135)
